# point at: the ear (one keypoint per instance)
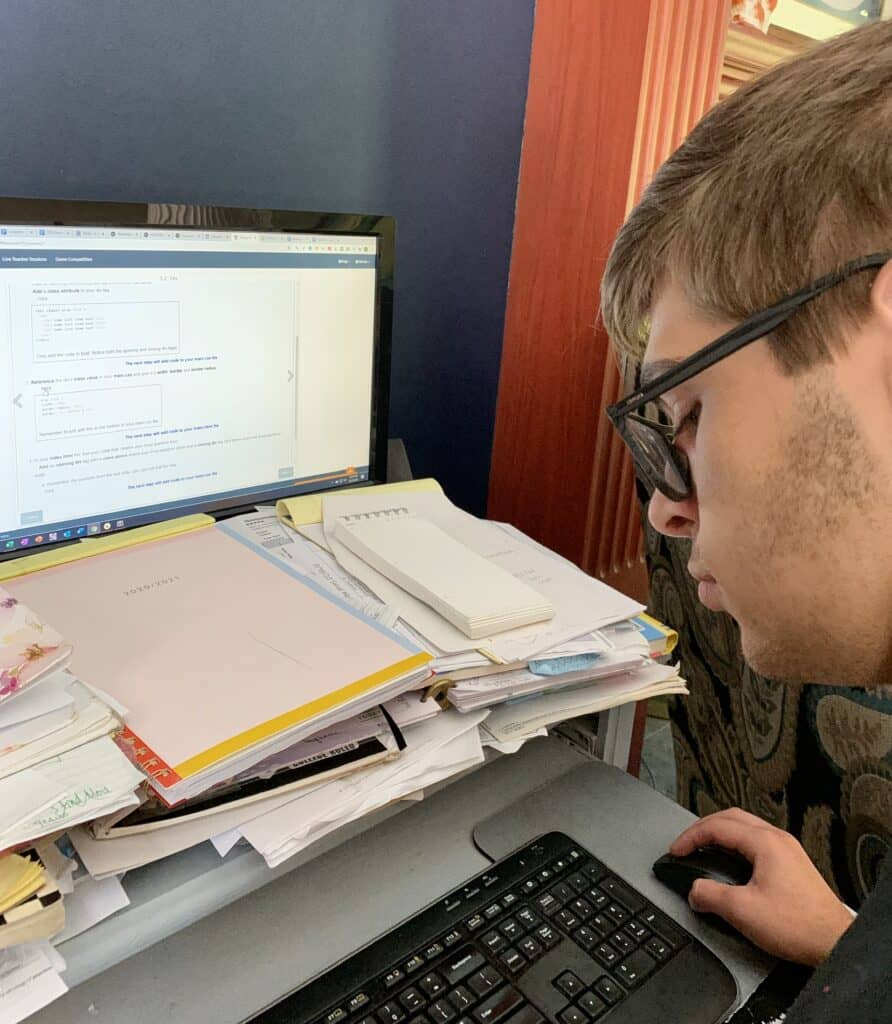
(881, 306)
(881, 294)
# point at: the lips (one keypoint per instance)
(707, 589)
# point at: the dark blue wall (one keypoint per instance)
(409, 107)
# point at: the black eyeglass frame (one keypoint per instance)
(752, 329)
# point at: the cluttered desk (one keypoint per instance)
(256, 702)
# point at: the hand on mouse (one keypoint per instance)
(787, 908)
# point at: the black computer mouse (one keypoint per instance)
(714, 862)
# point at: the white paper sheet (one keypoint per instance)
(22, 796)
(29, 980)
(49, 695)
(94, 779)
(582, 603)
(91, 720)
(91, 902)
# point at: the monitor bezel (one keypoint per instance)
(199, 216)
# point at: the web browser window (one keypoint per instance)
(151, 370)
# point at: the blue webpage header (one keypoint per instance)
(111, 258)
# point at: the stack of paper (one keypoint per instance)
(114, 845)
(436, 749)
(244, 656)
(58, 765)
(596, 634)
(523, 718)
(30, 904)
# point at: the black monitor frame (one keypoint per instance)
(87, 213)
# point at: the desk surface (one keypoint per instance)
(228, 965)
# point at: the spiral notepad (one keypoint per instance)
(468, 590)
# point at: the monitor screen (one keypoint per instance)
(157, 361)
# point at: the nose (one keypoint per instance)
(673, 518)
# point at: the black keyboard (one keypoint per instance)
(550, 934)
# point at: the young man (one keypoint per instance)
(754, 283)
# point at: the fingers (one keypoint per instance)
(709, 897)
(731, 814)
(734, 832)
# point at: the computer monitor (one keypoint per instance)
(159, 360)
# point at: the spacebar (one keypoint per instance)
(499, 1005)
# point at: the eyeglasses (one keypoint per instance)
(662, 464)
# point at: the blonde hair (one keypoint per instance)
(786, 180)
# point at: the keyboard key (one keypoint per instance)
(635, 968)
(474, 922)
(441, 1012)
(527, 1014)
(569, 984)
(560, 865)
(418, 1019)
(394, 977)
(562, 892)
(460, 965)
(391, 1013)
(620, 892)
(357, 1002)
(435, 949)
(526, 917)
(547, 903)
(637, 930)
(566, 919)
(498, 1005)
(493, 910)
(616, 913)
(509, 899)
(432, 985)
(414, 963)
(606, 955)
(622, 942)
(597, 898)
(451, 939)
(592, 1004)
(601, 924)
(608, 990)
(578, 882)
(657, 948)
(461, 998)
(412, 999)
(545, 875)
(672, 936)
(586, 938)
(581, 907)
(494, 941)
(530, 885)
(336, 1016)
(530, 948)
(595, 872)
(548, 936)
(484, 980)
(572, 1015)
(512, 959)
(511, 929)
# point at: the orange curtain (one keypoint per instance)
(613, 90)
